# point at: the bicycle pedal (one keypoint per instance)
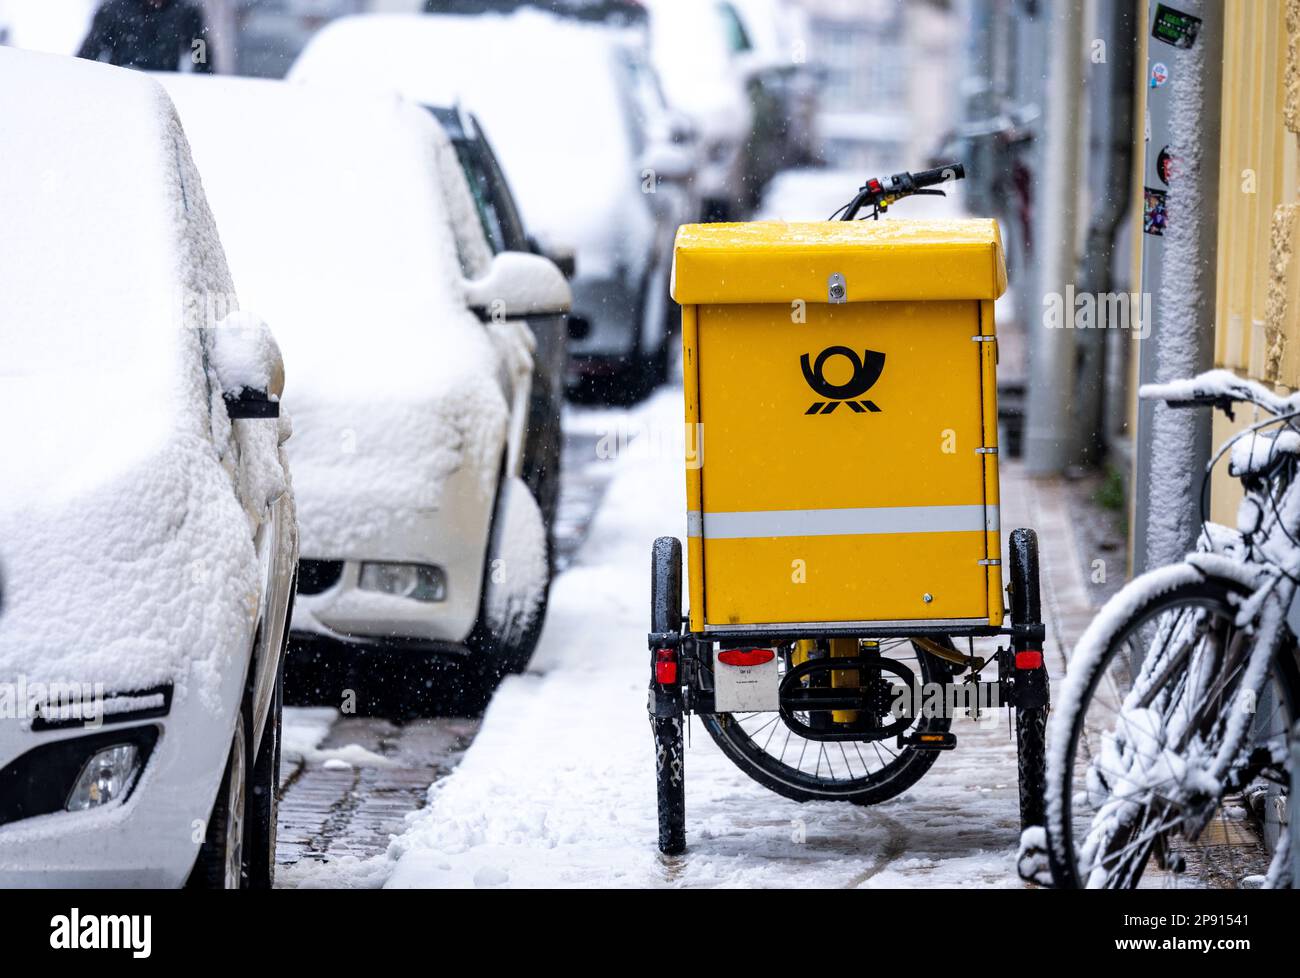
(928, 741)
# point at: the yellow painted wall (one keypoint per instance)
(1257, 329)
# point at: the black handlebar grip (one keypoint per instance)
(940, 174)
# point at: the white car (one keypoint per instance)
(565, 104)
(348, 220)
(697, 46)
(784, 89)
(147, 529)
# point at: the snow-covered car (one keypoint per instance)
(783, 90)
(348, 220)
(503, 225)
(147, 529)
(696, 48)
(559, 97)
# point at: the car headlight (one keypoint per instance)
(423, 582)
(105, 778)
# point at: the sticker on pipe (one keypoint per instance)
(746, 681)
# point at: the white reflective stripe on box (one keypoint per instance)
(842, 522)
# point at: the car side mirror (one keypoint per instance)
(250, 403)
(247, 360)
(519, 284)
(564, 256)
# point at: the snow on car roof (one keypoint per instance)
(334, 222)
(544, 87)
(106, 234)
(337, 211)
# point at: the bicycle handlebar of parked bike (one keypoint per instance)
(879, 194)
(940, 174)
(1220, 389)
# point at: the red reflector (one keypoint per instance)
(666, 667)
(1029, 660)
(746, 657)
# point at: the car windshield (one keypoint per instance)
(480, 190)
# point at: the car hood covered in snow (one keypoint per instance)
(126, 556)
(338, 233)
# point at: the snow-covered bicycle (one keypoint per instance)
(1174, 719)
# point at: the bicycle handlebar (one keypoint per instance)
(940, 174)
(1219, 389)
(879, 194)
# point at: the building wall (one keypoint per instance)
(1257, 330)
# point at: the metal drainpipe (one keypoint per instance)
(1113, 134)
(1178, 272)
(980, 103)
(1047, 433)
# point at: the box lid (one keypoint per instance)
(777, 261)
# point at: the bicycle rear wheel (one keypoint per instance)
(1131, 795)
(863, 772)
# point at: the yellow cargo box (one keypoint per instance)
(841, 389)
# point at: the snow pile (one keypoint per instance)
(127, 558)
(340, 234)
(337, 873)
(1031, 862)
(303, 731)
(545, 90)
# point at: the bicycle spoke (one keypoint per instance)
(754, 735)
(1146, 746)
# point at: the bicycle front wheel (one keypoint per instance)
(1134, 795)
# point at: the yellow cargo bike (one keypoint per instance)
(843, 544)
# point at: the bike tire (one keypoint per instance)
(1144, 600)
(1031, 722)
(894, 777)
(670, 752)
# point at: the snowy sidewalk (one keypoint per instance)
(558, 787)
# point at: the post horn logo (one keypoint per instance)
(865, 373)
